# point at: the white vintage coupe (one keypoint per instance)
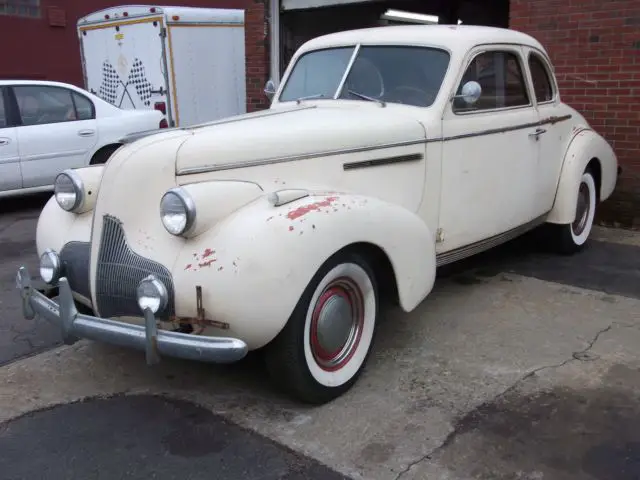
(386, 153)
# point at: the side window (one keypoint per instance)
(500, 76)
(542, 85)
(3, 111)
(84, 107)
(40, 104)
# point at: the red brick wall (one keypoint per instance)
(595, 46)
(41, 51)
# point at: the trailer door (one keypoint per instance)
(125, 63)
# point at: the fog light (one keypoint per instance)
(50, 266)
(152, 294)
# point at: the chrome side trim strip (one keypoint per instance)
(488, 243)
(308, 156)
(376, 162)
(293, 158)
(491, 131)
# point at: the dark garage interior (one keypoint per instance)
(299, 25)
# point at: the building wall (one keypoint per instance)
(595, 46)
(46, 47)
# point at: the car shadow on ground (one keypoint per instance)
(18, 204)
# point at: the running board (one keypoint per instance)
(461, 253)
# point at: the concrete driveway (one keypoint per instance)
(520, 365)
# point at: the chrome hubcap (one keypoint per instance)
(582, 210)
(336, 324)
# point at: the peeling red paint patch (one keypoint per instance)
(188, 267)
(208, 252)
(207, 263)
(300, 211)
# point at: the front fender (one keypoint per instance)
(254, 265)
(585, 146)
(56, 227)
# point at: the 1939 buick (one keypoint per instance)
(386, 153)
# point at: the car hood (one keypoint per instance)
(292, 132)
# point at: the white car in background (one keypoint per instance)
(47, 127)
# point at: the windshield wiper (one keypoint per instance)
(309, 97)
(365, 97)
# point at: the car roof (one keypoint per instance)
(14, 81)
(450, 37)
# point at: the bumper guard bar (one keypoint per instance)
(146, 338)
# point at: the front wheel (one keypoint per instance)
(572, 237)
(323, 348)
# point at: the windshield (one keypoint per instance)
(394, 74)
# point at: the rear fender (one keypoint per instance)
(254, 265)
(585, 146)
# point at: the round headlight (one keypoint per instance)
(152, 294)
(68, 190)
(50, 266)
(177, 211)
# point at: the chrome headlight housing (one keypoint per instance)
(177, 211)
(69, 190)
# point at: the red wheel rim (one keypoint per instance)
(337, 322)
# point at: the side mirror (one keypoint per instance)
(270, 89)
(471, 92)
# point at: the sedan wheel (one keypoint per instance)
(323, 348)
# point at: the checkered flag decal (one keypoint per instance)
(109, 85)
(138, 79)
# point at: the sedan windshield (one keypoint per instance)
(394, 74)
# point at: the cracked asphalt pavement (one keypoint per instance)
(519, 365)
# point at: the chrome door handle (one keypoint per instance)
(86, 133)
(5, 141)
(537, 133)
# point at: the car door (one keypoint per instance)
(10, 175)
(57, 131)
(554, 130)
(488, 156)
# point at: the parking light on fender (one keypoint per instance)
(177, 211)
(152, 294)
(50, 266)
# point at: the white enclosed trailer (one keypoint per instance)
(186, 62)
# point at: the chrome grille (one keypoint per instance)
(119, 272)
(75, 258)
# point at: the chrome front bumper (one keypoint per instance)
(148, 338)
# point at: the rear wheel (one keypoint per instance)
(572, 237)
(324, 346)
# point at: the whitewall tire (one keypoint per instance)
(324, 346)
(572, 237)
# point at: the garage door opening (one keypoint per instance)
(302, 20)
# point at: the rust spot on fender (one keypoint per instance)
(207, 263)
(301, 211)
